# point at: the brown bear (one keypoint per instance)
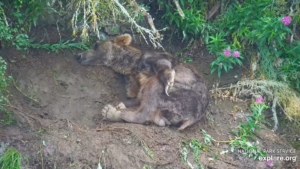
(188, 98)
(151, 92)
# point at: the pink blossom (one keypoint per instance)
(286, 20)
(227, 52)
(259, 100)
(254, 129)
(236, 54)
(220, 64)
(269, 163)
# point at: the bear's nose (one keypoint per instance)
(78, 56)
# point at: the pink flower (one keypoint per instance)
(254, 129)
(236, 54)
(269, 163)
(227, 52)
(286, 20)
(220, 64)
(259, 100)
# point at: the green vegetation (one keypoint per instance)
(243, 138)
(259, 30)
(10, 160)
(24, 14)
(16, 20)
(247, 130)
(61, 45)
(193, 23)
(4, 93)
(262, 32)
(196, 147)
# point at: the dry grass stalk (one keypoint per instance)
(274, 94)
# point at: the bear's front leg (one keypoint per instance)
(132, 86)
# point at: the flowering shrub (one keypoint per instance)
(286, 20)
(227, 52)
(262, 31)
(259, 100)
(236, 54)
(226, 61)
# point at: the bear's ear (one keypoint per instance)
(123, 40)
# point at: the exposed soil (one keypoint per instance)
(57, 127)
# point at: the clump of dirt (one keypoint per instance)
(58, 118)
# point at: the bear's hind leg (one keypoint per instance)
(159, 120)
(138, 115)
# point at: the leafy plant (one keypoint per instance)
(207, 138)
(18, 37)
(247, 130)
(4, 93)
(196, 147)
(61, 45)
(147, 167)
(184, 156)
(22, 42)
(192, 24)
(258, 27)
(26, 12)
(290, 70)
(226, 61)
(237, 20)
(5, 32)
(10, 160)
(267, 30)
(187, 60)
(34, 10)
(217, 43)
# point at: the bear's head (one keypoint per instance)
(114, 53)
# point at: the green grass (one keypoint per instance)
(10, 160)
(7, 117)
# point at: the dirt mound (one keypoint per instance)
(61, 112)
